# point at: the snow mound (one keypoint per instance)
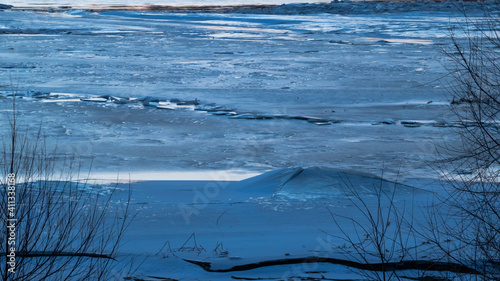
(268, 183)
(318, 182)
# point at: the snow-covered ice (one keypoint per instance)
(190, 106)
(348, 70)
(280, 214)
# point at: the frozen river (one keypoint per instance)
(184, 104)
(90, 3)
(352, 71)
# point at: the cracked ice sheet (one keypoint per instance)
(317, 65)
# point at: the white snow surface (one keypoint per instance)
(285, 213)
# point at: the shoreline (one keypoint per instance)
(169, 8)
(173, 175)
(47, 7)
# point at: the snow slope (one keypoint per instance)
(279, 214)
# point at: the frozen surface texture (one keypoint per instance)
(320, 95)
(282, 214)
(374, 77)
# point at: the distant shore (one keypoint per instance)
(44, 7)
(103, 8)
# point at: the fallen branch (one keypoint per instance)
(249, 278)
(293, 278)
(63, 254)
(403, 265)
